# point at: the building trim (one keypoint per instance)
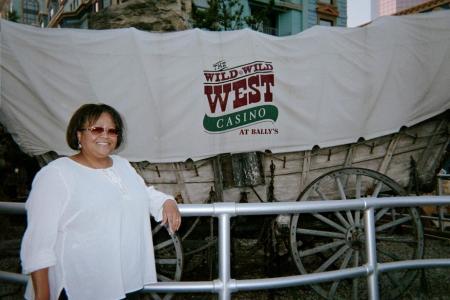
(289, 5)
(422, 7)
(327, 10)
(60, 15)
(281, 5)
(54, 21)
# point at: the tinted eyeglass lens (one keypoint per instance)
(100, 130)
(113, 131)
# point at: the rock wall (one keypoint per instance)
(149, 15)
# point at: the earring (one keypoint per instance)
(79, 145)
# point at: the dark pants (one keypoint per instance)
(129, 296)
(63, 295)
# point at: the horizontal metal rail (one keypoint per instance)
(224, 285)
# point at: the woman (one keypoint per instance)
(88, 233)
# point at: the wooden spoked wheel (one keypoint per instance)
(333, 241)
(168, 257)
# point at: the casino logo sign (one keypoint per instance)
(239, 96)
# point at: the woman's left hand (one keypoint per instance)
(171, 215)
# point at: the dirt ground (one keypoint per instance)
(431, 284)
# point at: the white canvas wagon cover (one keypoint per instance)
(194, 93)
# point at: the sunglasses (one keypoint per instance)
(99, 130)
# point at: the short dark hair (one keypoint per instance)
(89, 113)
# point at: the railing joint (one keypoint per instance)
(232, 285)
(217, 285)
(369, 269)
(224, 208)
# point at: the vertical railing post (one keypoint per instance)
(441, 208)
(224, 256)
(371, 250)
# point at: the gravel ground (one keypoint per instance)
(434, 283)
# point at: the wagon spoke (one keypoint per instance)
(166, 261)
(192, 227)
(393, 223)
(390, 255)
(357, 196)
(157, 229)
(163, 278)
(355, 281)
(394, 280)
(396, 239)
(394, 213)
(357, 218)
(340, 187)
(349, 216)
(381, 213)
(342, 219)
(338, 214)
(320, 193)
(344, 264)
(330, 222)
(332, 259)
(321, 248)
(358, 186)
(155, 296)
(164, 244)
(321, 233)
(377, 189)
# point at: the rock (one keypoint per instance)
(149, 15)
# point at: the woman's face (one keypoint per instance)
(97, 143)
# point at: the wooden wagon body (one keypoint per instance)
(411, 157)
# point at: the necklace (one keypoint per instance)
(114, 179)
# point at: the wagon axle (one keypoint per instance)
(355, 237)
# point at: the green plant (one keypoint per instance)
(12, 16)
(219, 15)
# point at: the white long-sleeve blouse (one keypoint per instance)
(91, 228)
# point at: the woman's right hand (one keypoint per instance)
(171, 215)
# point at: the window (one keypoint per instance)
(324, 22)
(30, 12)
(327, 13)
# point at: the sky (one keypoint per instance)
(358, 12)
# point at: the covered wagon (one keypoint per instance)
(330, 113)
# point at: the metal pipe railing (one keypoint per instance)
(371, 250)
(224, 285)
(227, 286)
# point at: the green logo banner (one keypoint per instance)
(240, 118)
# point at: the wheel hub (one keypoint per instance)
(355, 236)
